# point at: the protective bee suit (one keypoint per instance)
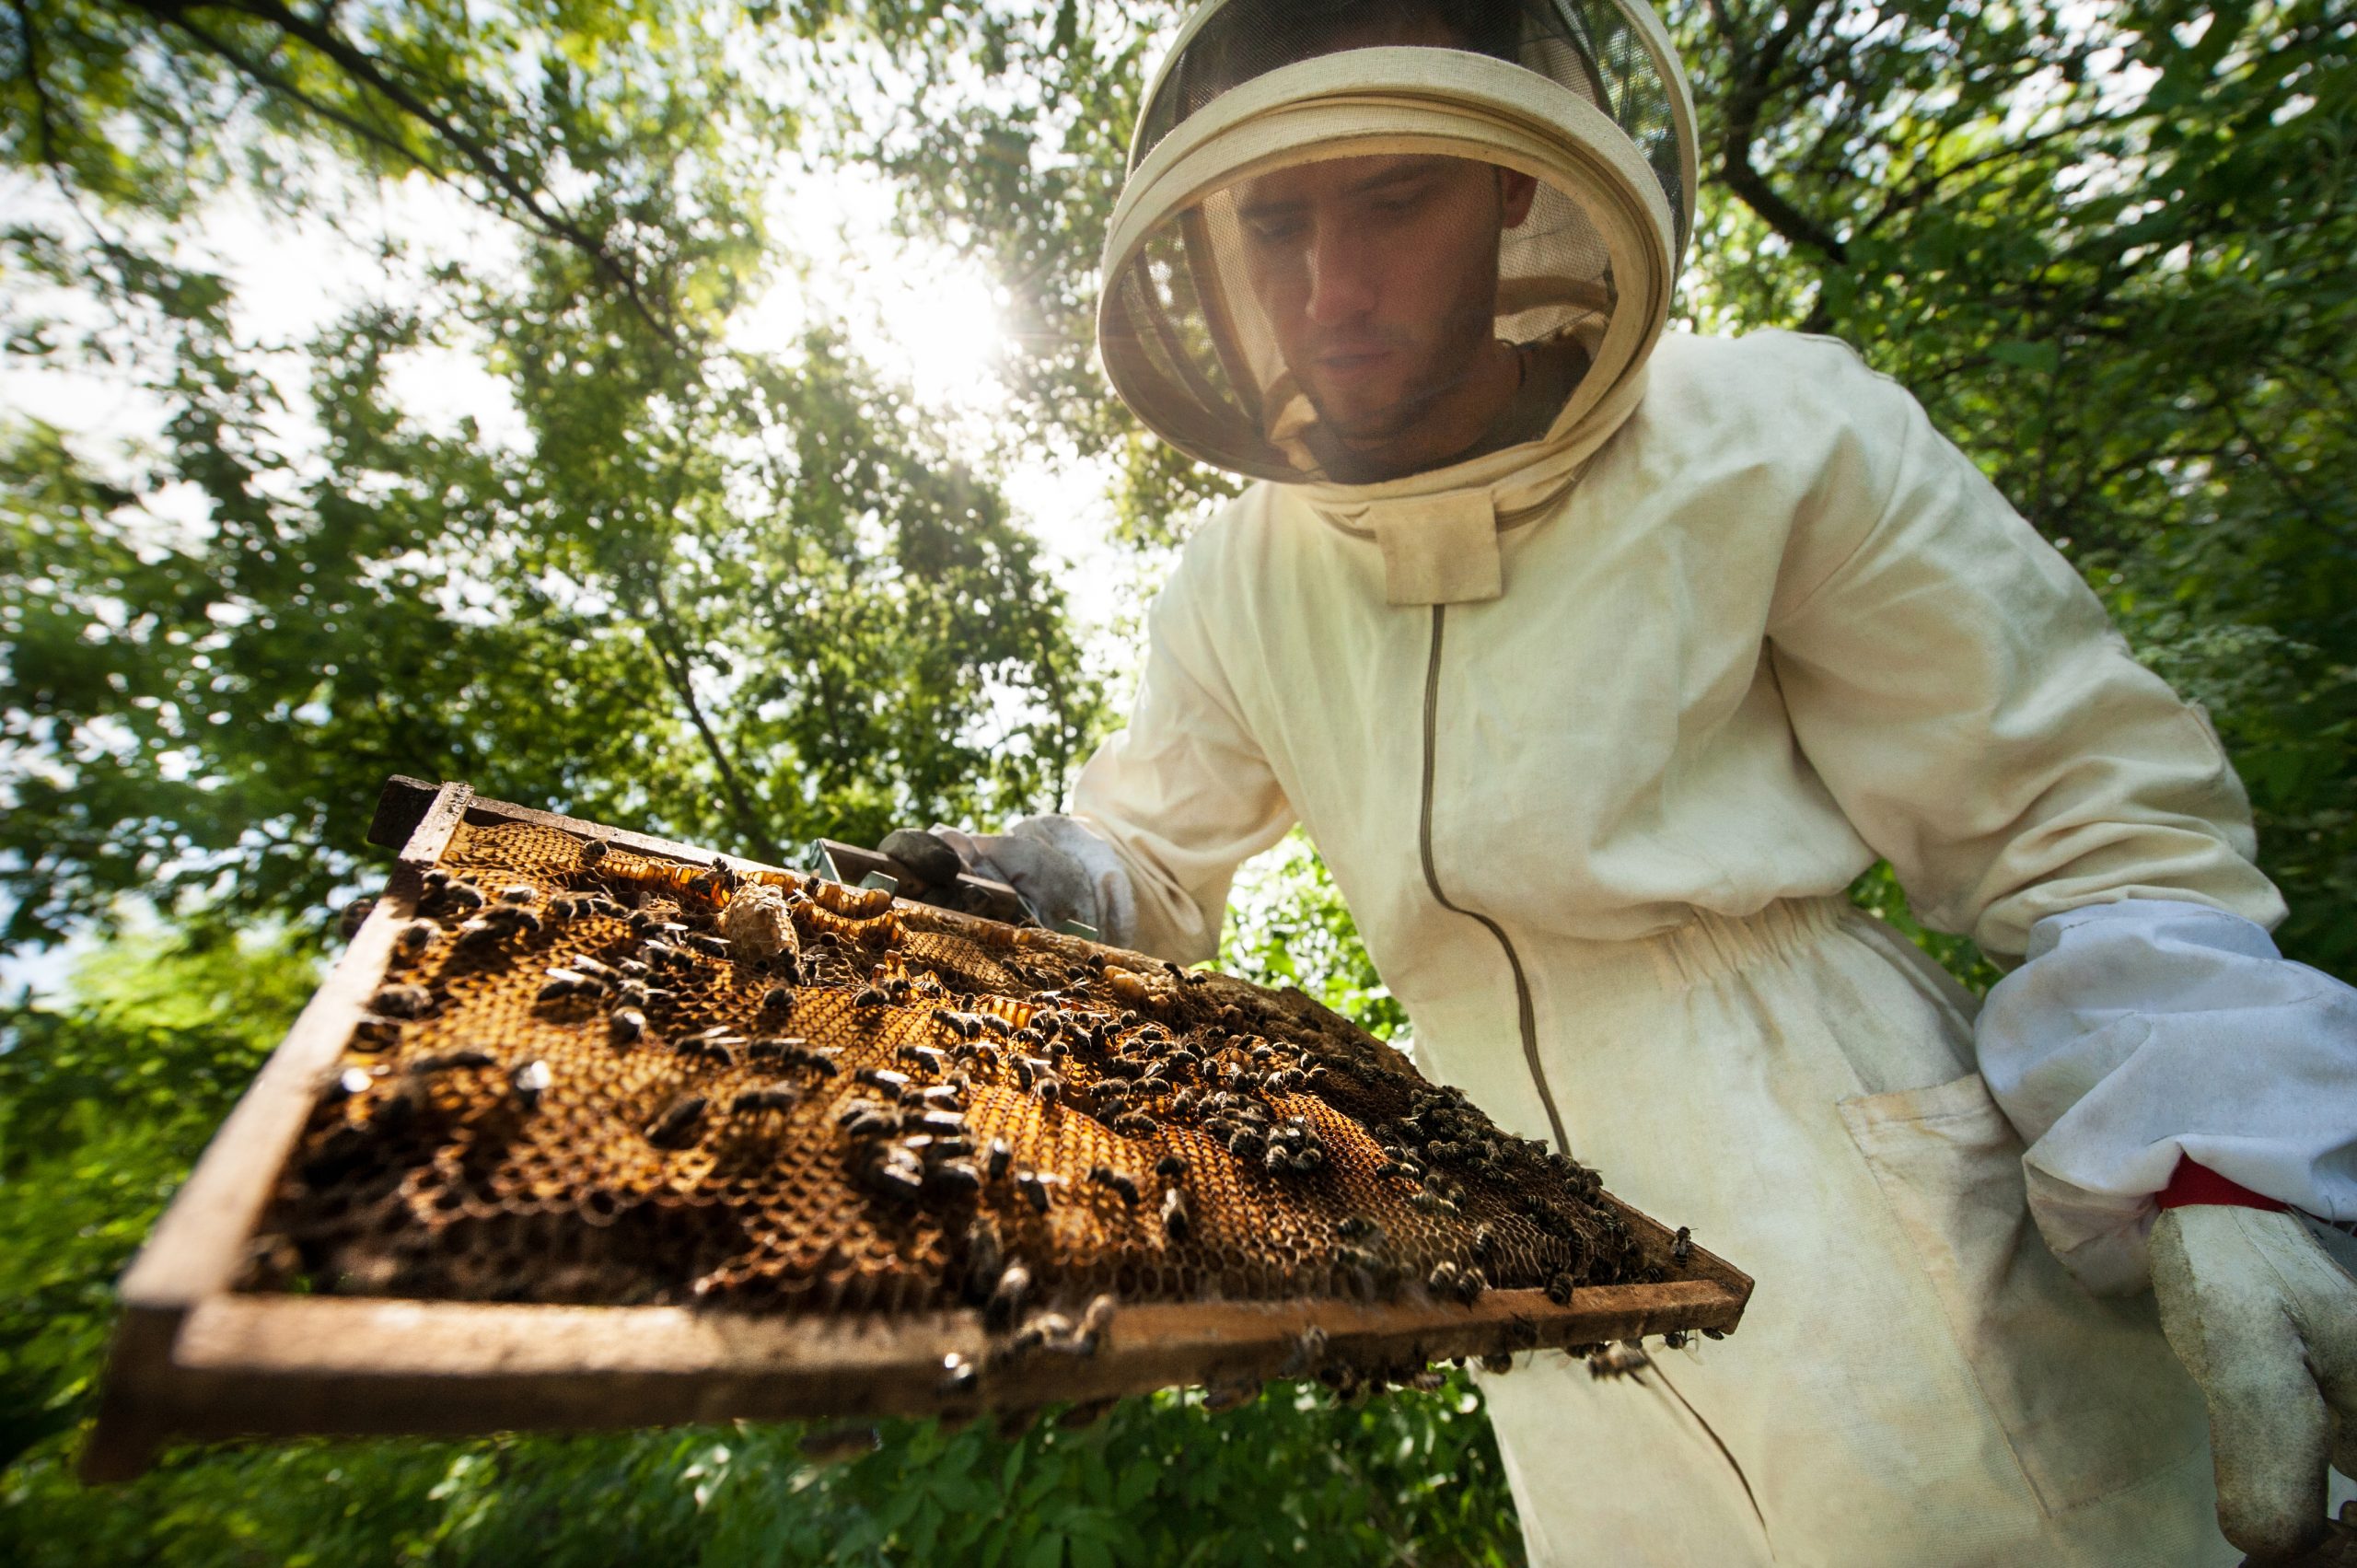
(1595, 725)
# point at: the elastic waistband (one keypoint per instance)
(1713, 945)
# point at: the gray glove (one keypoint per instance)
(1053, 882)
(2267, 1323)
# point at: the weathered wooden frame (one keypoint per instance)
(194, 1358)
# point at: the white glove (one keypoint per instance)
(2267, 1323)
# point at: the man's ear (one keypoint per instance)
(1515, 192)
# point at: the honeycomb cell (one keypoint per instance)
(916, 1070)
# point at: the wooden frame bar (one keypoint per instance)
(196, 1358)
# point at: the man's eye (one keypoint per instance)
(1273, 231)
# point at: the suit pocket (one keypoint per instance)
(2087, 1392)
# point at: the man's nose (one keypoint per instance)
(1342, 274)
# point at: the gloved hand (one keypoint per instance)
(1053, 882)
(2267, 1323)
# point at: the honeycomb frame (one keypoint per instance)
(227, 1329)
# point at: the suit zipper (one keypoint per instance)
(1524, 1010)
(1525, 1013)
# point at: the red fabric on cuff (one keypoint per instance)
(2194, 1184)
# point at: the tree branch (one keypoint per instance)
(1750, 96)
(368, 71)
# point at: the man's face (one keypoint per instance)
(1379, 277)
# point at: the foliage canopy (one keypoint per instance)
(745, 596)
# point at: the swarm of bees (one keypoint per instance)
(585, 1080)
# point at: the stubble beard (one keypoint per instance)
(1468, 331)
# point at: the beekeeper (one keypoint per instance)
(1597, 661)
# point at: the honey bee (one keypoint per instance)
(564, 984)
(944, 1123)
(959, 1377)
(395, 1110)
(766, 1097)
(1096, 1322)
(1006, 1298)
(777, 1002)
(1358, 1227)
(715, 1045)
(946, 1096)
(1227, 1396)
(883, 1078)
(1170, 1166)
(894, 1171)
(868, 997)
(1674, 1339)
(957, 1178)
(1034, 1185)
(866, 1119)
(445, 893)
(1306, 1354)
(625, 1026)
(1624, 1359)
(402, 1002)
(1106, 1176)
(1681, 1247)
(676, 1127)
(519, 893)
(1177, 1218)
(1048, 1086)
(1246, 1144)
(530, 1081)
(1048, 1329)
(415, 937)
(1000, 1157)
(925, 1056)
(1497, 1362)
(461, 1059)
(985, 1257)
(818, 1058)
(1558, 1289)
(592, 853)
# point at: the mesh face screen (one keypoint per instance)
(1292, 316)
(1588, 46)
(602, 1079)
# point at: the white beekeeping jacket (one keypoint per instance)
(1775, 627)
(1723, 655)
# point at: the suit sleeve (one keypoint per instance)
(1184, 795)
(1962, 695)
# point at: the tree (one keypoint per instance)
(744, 598)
